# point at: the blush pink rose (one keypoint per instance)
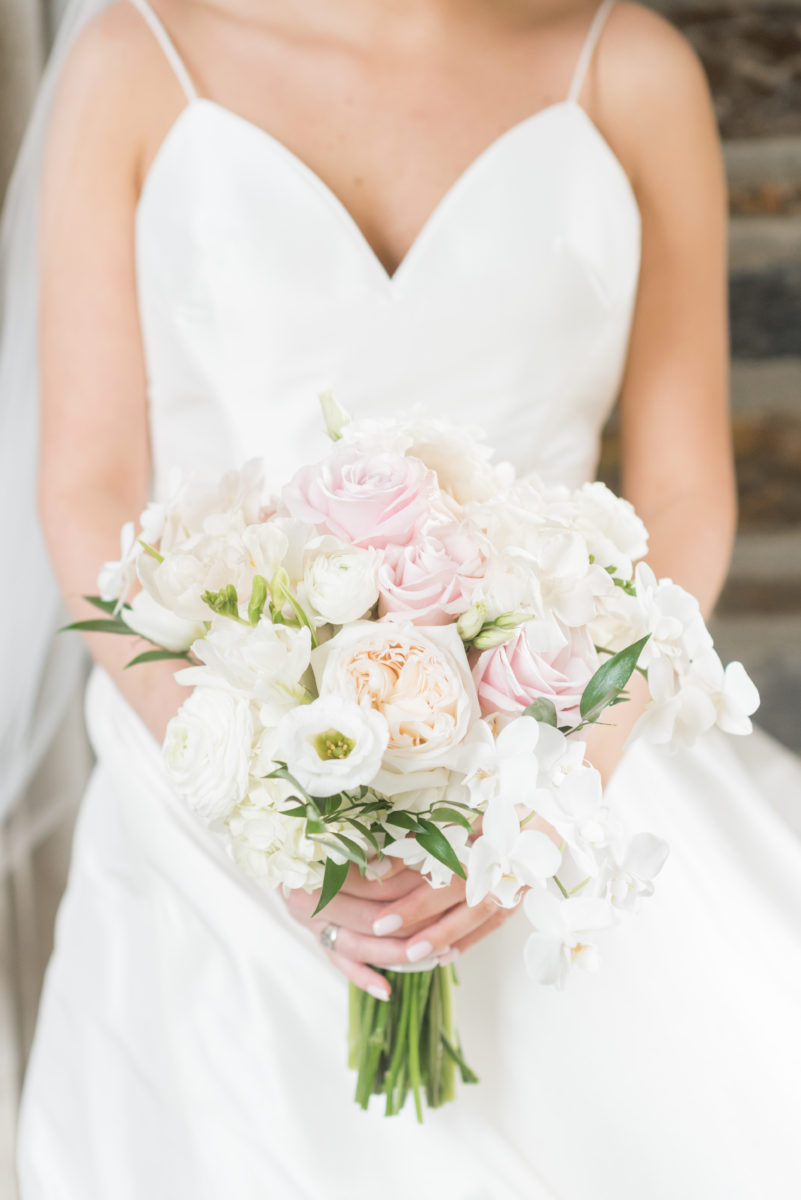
(431, 580)
(530, 666)
(371, 500)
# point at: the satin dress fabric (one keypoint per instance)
(191, 1038)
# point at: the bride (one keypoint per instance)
(510, 212)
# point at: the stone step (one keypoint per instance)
(764, 175)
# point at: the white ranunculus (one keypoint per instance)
(207, 751)
(264, 663)
(153, 621)
(418, 678)
(339, 582)
(332, 745)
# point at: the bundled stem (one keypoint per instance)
(408, 1043)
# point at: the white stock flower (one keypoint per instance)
(629, 873)
(339, 582)
(263, 662)
(563, 936)
(332, 745)
(415, 855)
(270, 847)
(506, 859)
(153, 621)
(207, 751)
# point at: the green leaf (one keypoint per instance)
(450, 814)
(609, 680)
(356, 854)
(362, 828)
(334, 876)
(98, 625)
(300, 811)
(543, 710)
(106, 606)
(315, 825)
(433, 840)
(156, 656)
(405, 820)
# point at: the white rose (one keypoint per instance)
(263, 662)
(153, 621)
(417, 678)
(207, 751)
(332, 745)
(339, 582)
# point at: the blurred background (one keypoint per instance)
(752, 52)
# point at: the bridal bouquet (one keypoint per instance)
(396, 656)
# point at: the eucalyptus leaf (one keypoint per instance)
(609, 680)
(542, 710)
(334, 876)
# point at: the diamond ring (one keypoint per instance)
(328, 936)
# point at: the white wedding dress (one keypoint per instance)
(191, 1040)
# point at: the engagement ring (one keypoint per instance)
(328, 936)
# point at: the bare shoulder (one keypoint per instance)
(651, 88)
(111, 84)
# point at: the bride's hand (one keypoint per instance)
(397, 919)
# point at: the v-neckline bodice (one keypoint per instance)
(469, 177)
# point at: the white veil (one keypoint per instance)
(39, 671)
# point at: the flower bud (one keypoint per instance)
(511, 620)
(335, 416)
(471, 621)
(491, 636)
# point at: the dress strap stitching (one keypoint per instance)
(166, 43)
(593, 33)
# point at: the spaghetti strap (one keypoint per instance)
(170, 53)
(593, 33)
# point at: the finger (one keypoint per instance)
(478, 934)
(378, 952)
(359, 973)
(450, 930)
(356, 914)
(397, 883)
(418, 907)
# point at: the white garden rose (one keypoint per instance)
(207, 751)
(263, 663)
(153, 621)
(418, 678)
(339, 582)
(332, 745)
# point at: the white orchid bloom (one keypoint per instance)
(563, 935)
(505, 859)
(577, 811)
(115, 579)
(629, 873)
(415, 855)
(153, 621)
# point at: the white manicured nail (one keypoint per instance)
(386, 925)
(447, 956)
(378, 992)
(379, 867)
(419, 950)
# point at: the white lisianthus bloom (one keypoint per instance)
(207, 751)
(418, 678)
(264, 663)
(414, 855)
(332, 745)
(628, 873)
(563, 937)
(339, 582)
(506, 859)
(153, 621)
(116, 579)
